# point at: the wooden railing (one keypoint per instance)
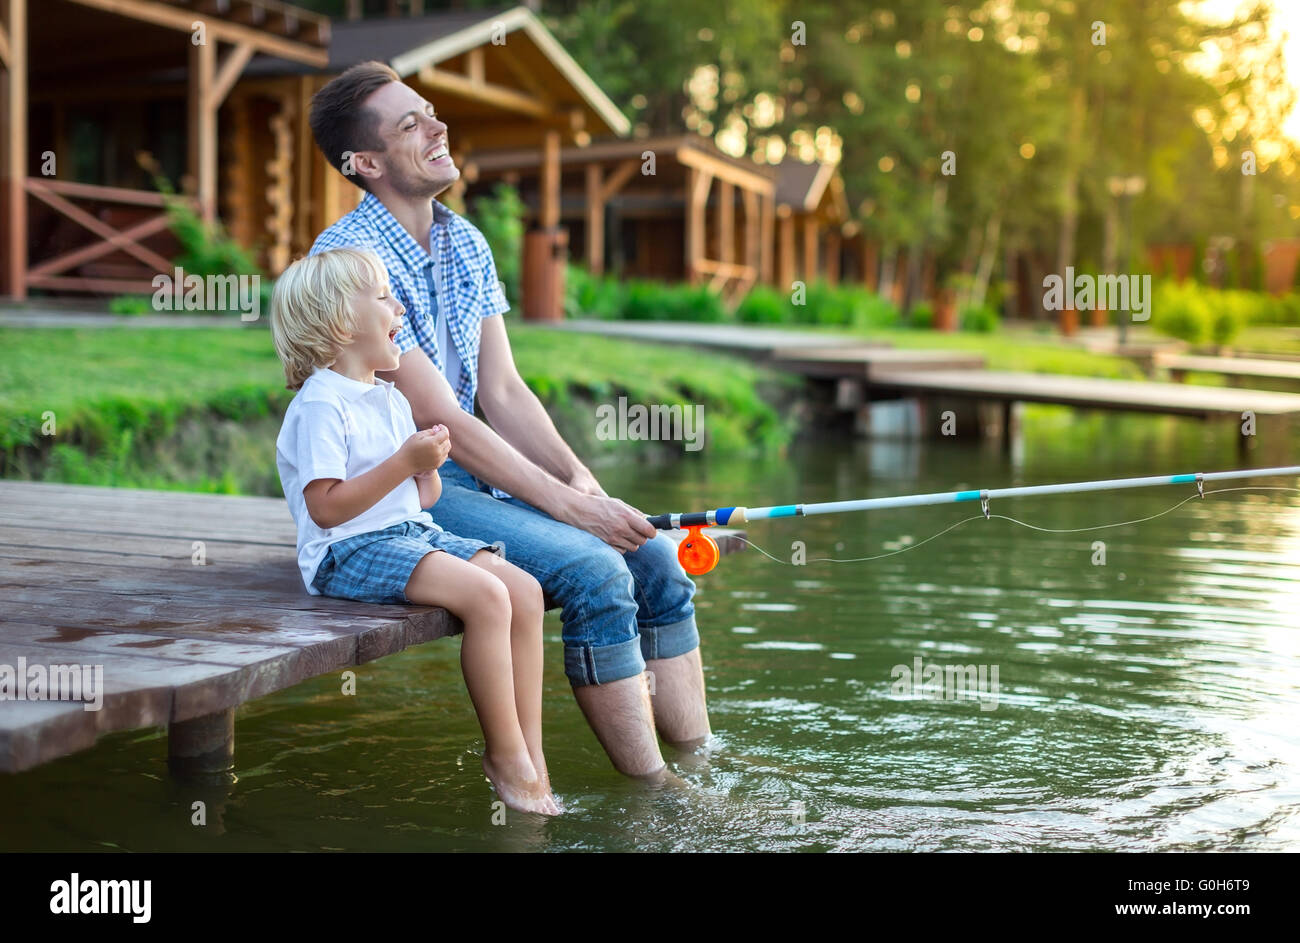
(59, 272)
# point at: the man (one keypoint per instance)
(625, 602)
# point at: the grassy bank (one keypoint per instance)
(198, 409)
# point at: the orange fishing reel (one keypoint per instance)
(697, 552)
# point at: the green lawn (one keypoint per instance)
(198, 408)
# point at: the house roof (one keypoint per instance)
(409, 44)
(801, 185)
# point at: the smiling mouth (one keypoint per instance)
(437, 153)
(392, 335)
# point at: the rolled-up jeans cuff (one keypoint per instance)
(591, 664)
(669, 641)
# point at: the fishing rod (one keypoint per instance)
(698, 553)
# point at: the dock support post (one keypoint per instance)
(202, 745)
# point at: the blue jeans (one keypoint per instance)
(618, 609)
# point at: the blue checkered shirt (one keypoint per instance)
(460, 268)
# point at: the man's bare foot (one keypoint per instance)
(520, 788)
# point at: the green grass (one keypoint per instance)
(199, 408)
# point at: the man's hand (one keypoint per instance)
(620, 525)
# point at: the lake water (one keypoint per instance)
(1145, 703)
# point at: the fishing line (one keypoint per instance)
(1045, 530)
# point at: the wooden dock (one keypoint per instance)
(191, 603)
(866, 373)
(1205, 402)
(1235, 369)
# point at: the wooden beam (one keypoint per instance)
(725, 170)
(474, 70)
(697, 195)
(202, 127)
(92, 191)
(14, 159)
(160, 14)
(254, 14)
(619, 178)
(726, 221)
(549, 211)
(507, 99)
(833, 256)
(753, 247)
(96, 249)
(768, 225)
(810, 247)
(4, 46)
(228, 74)
(785, 261)
(100, 229)
(595, 220)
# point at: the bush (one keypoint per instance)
(979, 319)
(763, 305)
(921, 316)
(500, 217)
(131, 304)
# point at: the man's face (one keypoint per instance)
(416, 162)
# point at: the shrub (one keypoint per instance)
(979, 319)
(921, 316)
(500, 217)
(131, 304)
(763, 305)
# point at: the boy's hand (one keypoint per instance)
(426, 450)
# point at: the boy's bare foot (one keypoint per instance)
(517, 783)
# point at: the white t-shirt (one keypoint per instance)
(337, 427)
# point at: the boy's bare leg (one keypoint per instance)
(619, 713)
(681, 715)
(526, 611)
(483, 604)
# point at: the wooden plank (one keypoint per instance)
(228, 74)
(91, 191)
(14, 159)
(147, 11)
(756, 341)
(96, 249)
(1231, 366)
(104, 231)
(870, 364)
(201, 121)
(1093, 393)
(595, 220)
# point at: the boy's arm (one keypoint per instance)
(430, 486)
(332, 501)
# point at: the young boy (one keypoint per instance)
(357, 476)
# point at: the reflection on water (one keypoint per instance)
(1145, 703)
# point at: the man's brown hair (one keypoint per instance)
(340, 121)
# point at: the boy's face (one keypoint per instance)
(416, 161)
(378, 316)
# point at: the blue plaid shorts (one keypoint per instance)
(376, 566)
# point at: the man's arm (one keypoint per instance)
(487, 456)
(517, 414)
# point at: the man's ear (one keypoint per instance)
(364, 164)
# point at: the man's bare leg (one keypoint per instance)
(681, 715)
(620, 715)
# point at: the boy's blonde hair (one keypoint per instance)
(310, 319)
